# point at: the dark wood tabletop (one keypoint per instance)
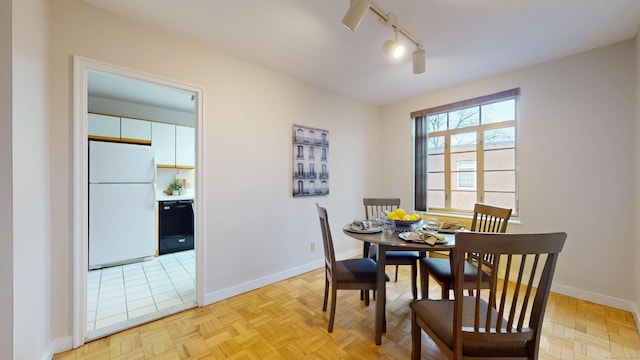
(390, 242)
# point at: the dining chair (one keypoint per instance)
(504, 321)
(349, 274)
(486, 218)
(375, 208)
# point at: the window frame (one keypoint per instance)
(467, 170)
(421, 151)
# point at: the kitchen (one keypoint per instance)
(141, 262)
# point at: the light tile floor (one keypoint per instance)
(122, 293)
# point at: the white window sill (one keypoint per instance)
(462, 216)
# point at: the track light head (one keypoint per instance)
(355, 14)
(419, 58)
(393, 48)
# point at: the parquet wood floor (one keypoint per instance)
(285, 321)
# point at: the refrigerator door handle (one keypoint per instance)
(153, 195)
(155, 177)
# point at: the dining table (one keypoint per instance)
(391, 242)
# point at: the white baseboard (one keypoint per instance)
(273, 278)
(260, 282)
(636, 315)
(62, 344)
(596, 298)
(617, 303)
(66, 343)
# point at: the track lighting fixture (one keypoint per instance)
(419, 58)
(393, 48)
(355, 14)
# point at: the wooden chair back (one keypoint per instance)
(327, 240)
(488, 219)
(516, 304)
(374, 207)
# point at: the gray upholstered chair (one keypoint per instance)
(350, 274)
(374, 208)
(486, 218)
(504, 321)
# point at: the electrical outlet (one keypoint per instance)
(313, 247)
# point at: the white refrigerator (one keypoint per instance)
(122, 216)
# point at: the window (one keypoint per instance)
(466, 173)
(466, 153)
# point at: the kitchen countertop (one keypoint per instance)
(165, 197)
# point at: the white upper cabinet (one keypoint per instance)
(185, 146)
(103, 126)
(114, 128)
(163, 141)
(173, 145)
(133, 129)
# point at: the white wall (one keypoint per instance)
(6, 211)
(31, 207)
(255, 231)
(636, 215)
(576, 143)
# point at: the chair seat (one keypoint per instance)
(439, 315)
(441, 270)
(392, 257)
(408, 255)
(356, 270)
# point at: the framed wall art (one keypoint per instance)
(310, 161)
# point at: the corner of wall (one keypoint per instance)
(62, 344)
(636, 240)
(636, 314)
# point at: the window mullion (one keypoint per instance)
(447, 171)
(480, 166)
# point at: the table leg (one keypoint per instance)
(365, 254)
(382, 294)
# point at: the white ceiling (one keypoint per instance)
(464, 39)
(120, 88)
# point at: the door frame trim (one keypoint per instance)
(80, 219)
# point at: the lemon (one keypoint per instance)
(391, 216)
(415, 216)
(406, 217)
(400, 213)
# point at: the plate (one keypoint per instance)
(413, 237)
(450, 231)
(372, 230)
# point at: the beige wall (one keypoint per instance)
(576, 153)
(30, 173)
(6, 211)
(569, 108)
(247, 132)
(636, 215)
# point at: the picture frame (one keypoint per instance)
(310, 161)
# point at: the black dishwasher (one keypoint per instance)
(175, 226)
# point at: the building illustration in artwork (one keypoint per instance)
(310, 161)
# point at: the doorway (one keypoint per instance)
(94, 84)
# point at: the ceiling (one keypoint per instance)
(120, 88)
(463, 39)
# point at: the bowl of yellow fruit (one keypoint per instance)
(404, 220)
